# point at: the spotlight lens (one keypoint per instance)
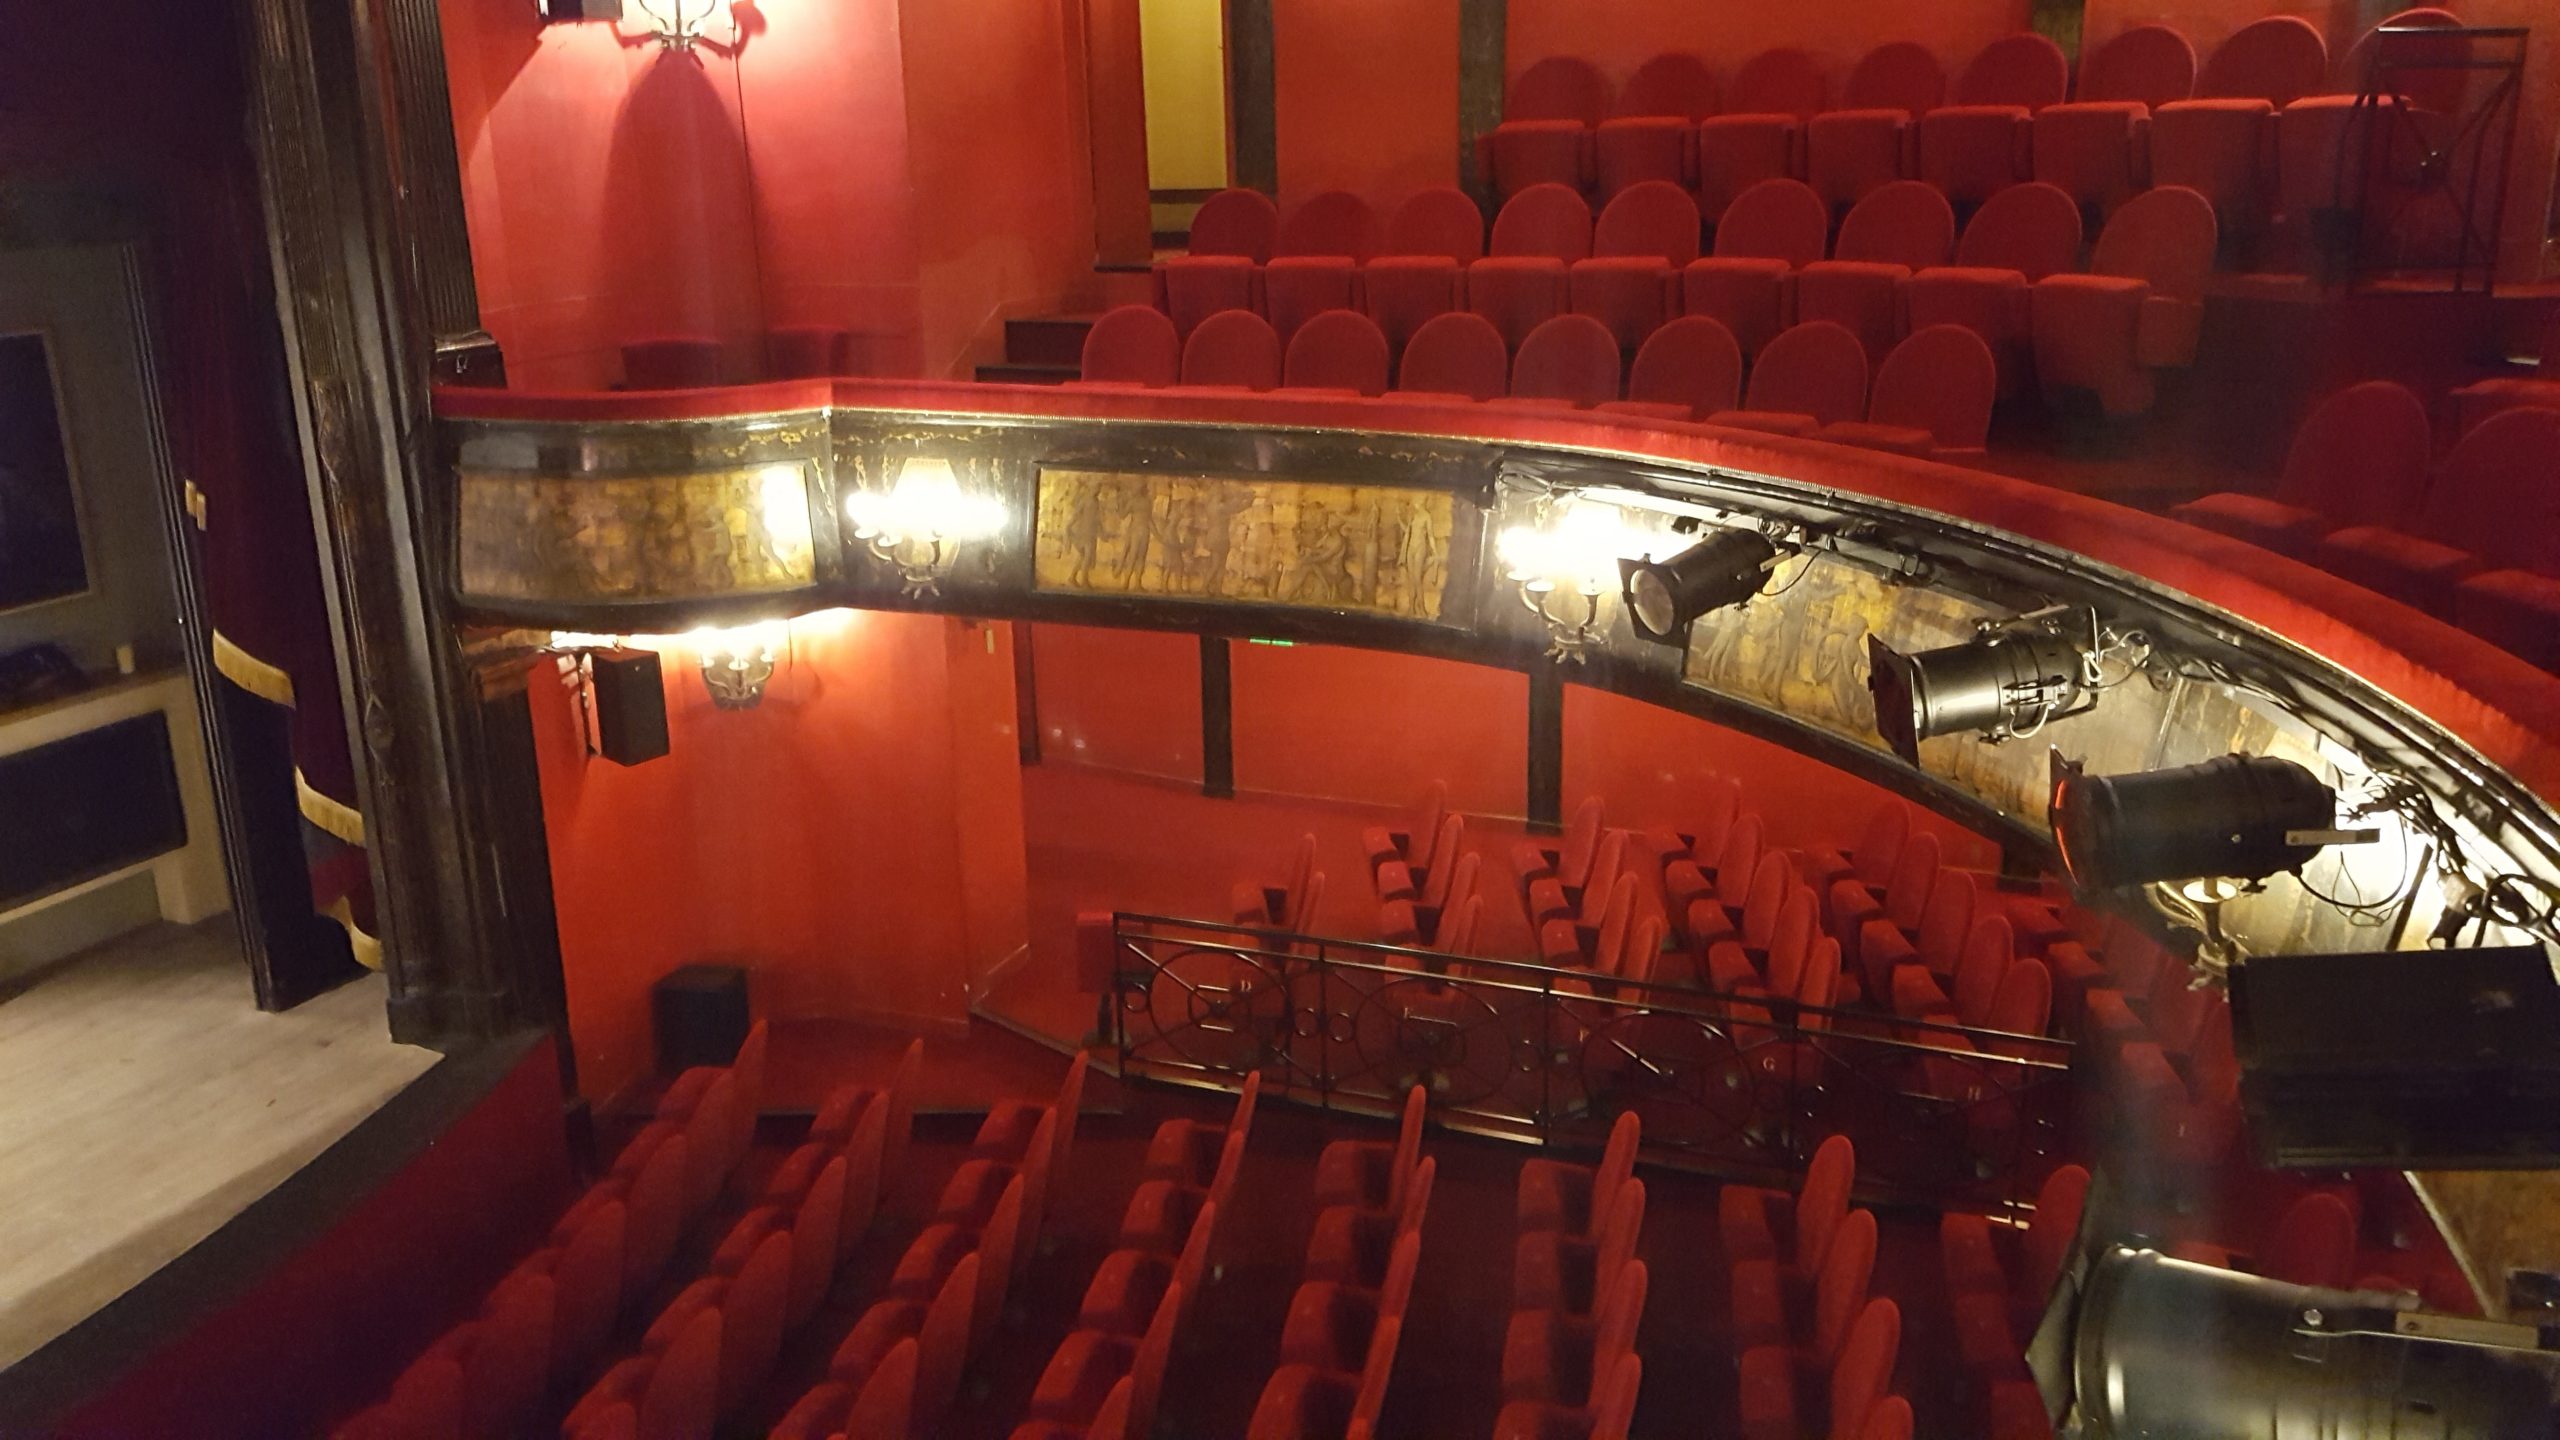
(1656, 610)
(2227, 817)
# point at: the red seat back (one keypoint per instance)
(1880, 844)
(1459, 353)
(2050, 1232)
(1941, 379)
(942, 1341)
(1571, 357)
(1865, 1368)
(1888, 1419)
(2313, 1244)
(2499, 493)
(1737, 860)
(1675, 85)
(2148, 64)
(1840, 1291)
(1232, 347)
(1818, 368)
(2024, 69)
(885, 1405)
(1560, 87)
(1236, 222)
(1824, 1202)
(1988, 953)
(2164, 236)
(1820, 986)
(1550, 220)
(2278, 59)
(1337, 350)
(1330, 222)
(2360, 457)
(1791, 938)
(1693, 361)
(1775, 220)
(682, 1400)
(1783, 81)
(1915, 874)
(1900, 75)
(1904, 222)
(2023, 1005)
(1439, 221)
(2439, 90)
(2034, 229)
(1651, 217)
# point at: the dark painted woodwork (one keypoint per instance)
(1217, 719)
(430, 174)
(330, 135)
(521, 856)
(1546, 748)
(294, 953)
(1483, 51)
(1026, 694)
(87, 805)
(1253, 117)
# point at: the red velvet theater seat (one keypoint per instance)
(1315, 263)
(1607, 1418)
(1645, 236)
(2140, 307)
(1522, 284)
(1233, 349)
(1458, 354)
(2360, 458)
(1545, 137)
(2482, 399)
(1760, 134)
(1771, 231)
(1688, 368)
(2515, 610)
(2096, 147)
(1897, 229)
(1433, 236)
(2219, 142)
(1570, 361)
(1867, 142)
(1932, 397)
(2494, 506)
(1132, 345)
(1772, 1408)
(1979, 146)
(2018, 237)
(1230, 238)
(1811, 376)
(1339, 350)
(1652, 133)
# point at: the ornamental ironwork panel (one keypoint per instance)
(1740, 1086)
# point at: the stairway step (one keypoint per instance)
(1015, 373)
(1046, 339)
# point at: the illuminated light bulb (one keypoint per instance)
(738, 662)
(921, 521)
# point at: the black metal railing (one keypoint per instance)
(1743, 1086)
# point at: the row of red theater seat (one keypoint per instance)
(1932, 396)
(2251, 128)
(1569, 1362)
(2014, 278)
(2476, 540)
(1996, 1301)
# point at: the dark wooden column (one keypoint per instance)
(1483, 48)
(331, 137)
(1217, 718)
(430, 173)
(1546, 747)
(1253, 114)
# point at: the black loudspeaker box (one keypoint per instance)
(2415, 1059)
(631, 706)
(700, 1015)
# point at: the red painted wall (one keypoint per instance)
(1365, 96)
(847, 839)
(1118, 699)
(1331, 723)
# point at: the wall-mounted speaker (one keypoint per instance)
(631, 706)
(554, 10)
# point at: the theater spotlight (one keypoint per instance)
(1664, 596)
(2009, 681)
(2242, 816)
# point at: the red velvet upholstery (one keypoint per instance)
(1770, 1410)
(2095, 147)
(1315, 264)
(1521, 285)
(1571, 359)
(1932, 397)
(2149, 65)
(1748, 1218)
(2279, 59)
(1455, 354)
(1760, 132)
(1900, 227)
(1649, 231)
(1557, 1195)
(1691, 365)
(1545, 136)
(2359, 458)
(1774, 229)
(1978, 146)
(1337, 350)
(673, 362)
(2141, 305)
(1652, 132)
(1234, 348)
(2019, 236)
(2440, 90)
(1557, 1358)
(1866, 143)
(2222, 150)
(1372, 1174)
(2493, 507)
(1231, 237)
(1811, 376)
(1433, 236)
(2514, 610)
(1132, 345)
(795, 352)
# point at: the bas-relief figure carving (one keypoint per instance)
(740, 531)
(1375, 549)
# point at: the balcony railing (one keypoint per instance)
(1736, 1085)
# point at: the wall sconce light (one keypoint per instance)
(737, 663)
(922, 521)
(1563, 562)
(679, 24)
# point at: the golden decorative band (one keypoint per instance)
(367, 949)
(250, 673)
(337, 817)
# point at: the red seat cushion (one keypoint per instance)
(2090, 150)
(1195, 287)
(1404, 291)
(2395, 563)
(1539, 152)
(1749, 296)
(1736, 152)
(1848, 153)
(1297, 288)
(2260, 521)
(1992, 303)
(1631, 294)
(1632, 149)
(1518, 293)
(1860, 294)
(1973, 152)
(2088, 331)
(2217, 148)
